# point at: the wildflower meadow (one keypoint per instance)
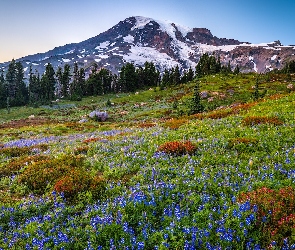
(150, 176)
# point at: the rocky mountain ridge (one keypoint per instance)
(140, 39)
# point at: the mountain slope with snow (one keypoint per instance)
(166, 44)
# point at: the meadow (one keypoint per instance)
(152, 176)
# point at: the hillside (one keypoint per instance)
(150, 176)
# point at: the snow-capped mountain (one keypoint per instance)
(140, 39)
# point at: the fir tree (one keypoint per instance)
(34, 88)
(166, 78)
(3, 91)
(48, 84)
(176, 75)
(17, 90)
(237, 70)
(75, 89)
(196, 105)
(190, 75)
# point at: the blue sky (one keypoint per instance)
(36, 26)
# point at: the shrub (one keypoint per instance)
(275, 216)
(175, 123)
(20, 151)
(17, 164)
(218, 114)
(75, 181)
(97, 186)
(255, 120)
(146, 125)
(243, 144)
(40, 176)
(81, 150)
(178, 148)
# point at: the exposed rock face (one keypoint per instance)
(140, 39)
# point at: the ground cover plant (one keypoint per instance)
(152, 176)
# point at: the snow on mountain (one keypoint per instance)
(166, 44)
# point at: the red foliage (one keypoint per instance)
(275, 211)
(74, 182)
(254, 120)
(178, 148)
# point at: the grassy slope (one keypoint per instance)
(140, 122)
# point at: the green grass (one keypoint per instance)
(121, 159)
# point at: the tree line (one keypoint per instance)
(71, 84)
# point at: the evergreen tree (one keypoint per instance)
(58, 89)
(17, 90)
(75, 89)
(196, 105)
(128, 80)
(184, 77)
(11, 81)
(3, 91)
(48, 84)
(82, 81)
(237, 70)
(22, 96)
(150, 75)
(190, 75)
(65, 80)
(34, 88)
(176, 75)
(166, 78)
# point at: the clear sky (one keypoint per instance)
(36, 26)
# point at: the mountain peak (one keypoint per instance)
(138, 39)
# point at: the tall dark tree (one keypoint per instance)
(128, 80)
(58, 87)
(150, 75)
(22, 96)
(196, 105)
(237, 70)
(3, 91)
(34, 88)
(82, 81)
(17, 89)
(48, 84)
(75, 90)
(11, 81)
(166, 78)
(176, 75)
(190, 75)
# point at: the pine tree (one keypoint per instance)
(82, 82)
(34, 88)
(196, 105)
(17, 89)
(190, 75)
(48, 84)
(75, 89)
(166, 78)
(22, 96)
(3, 91)
(176, 75)
(128, 80)
(11, 80)
(237, 70)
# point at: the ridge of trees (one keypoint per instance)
(71, 84)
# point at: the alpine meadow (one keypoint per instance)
(146, 147)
